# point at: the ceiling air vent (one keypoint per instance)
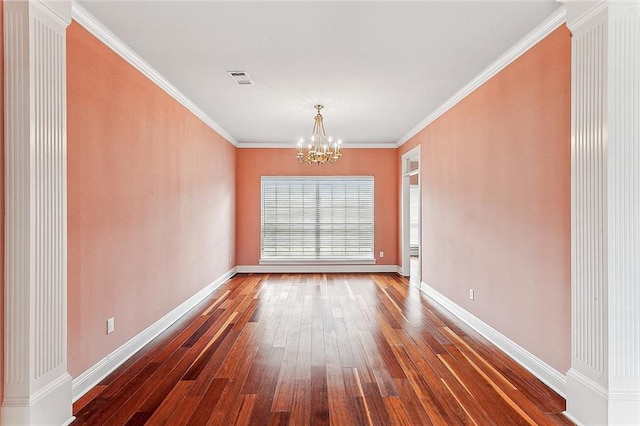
(241, 78)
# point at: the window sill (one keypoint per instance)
(317, 262)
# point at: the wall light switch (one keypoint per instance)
(111, 325)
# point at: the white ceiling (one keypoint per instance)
(378, 67)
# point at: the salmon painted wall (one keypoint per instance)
(252, 163)
(495, 176)
(151, 201)
(2, 198)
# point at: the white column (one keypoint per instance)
(603, 384)
(37, 386)
(623, 187)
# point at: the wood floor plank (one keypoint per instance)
(468, 396)
(339, 402)
(203, 381)
(359, 411)
(246, 410)
(307, 349)
(345, 350)
(319, 398)
(397, 412)
(147, 390)
(106, 411)
(525, 382)
(138, 419)
(208, 402)
(317, 345)
(168, 406)
(88, 397)
(301, 404)
(231, 400)
(424, 394)
(266, 389)
(195, 369)
(183, 412)
(411, 403)
(283, 397)
(495, 405)
(376, 410)
(382, 375)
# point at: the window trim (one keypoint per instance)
(310, 261)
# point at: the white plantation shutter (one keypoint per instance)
(317, 218)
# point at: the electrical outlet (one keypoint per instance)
(111, 325)
(381, 254)
(471, 294)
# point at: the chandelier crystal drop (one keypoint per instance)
(319, 148)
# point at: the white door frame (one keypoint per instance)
(413, 154)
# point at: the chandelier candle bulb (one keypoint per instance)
(321, 148)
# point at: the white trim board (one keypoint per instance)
(347, 145)
(547, 26)
(303, 269)
(102, 33)
(547, 374)
(90, 378)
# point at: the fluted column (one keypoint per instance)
(603, 384)
(37, 386)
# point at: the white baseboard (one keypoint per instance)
(547, 374)
(87, 380)
(570, 417)
(302, 269)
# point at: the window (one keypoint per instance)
(327, 218)
(414, 219)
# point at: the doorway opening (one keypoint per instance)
(411, 217)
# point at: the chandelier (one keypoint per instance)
(320, 148)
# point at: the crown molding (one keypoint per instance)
(551, 23)
(583, 12)
(102, 33)
(60, 10)
(292, 145)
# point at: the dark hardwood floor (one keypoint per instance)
(342, 349)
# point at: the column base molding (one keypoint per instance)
(48, 406)
(586, 399)
(588, 403)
